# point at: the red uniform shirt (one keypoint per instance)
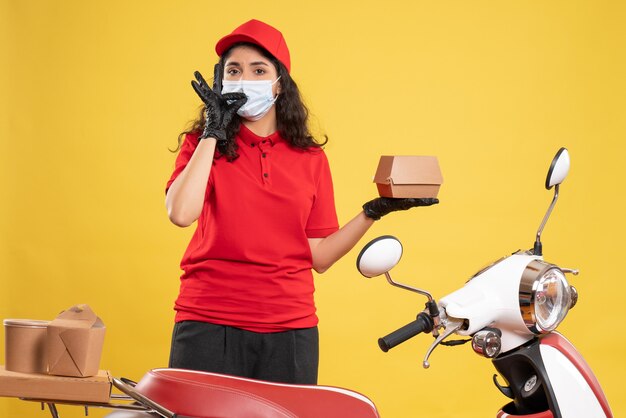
(248, 264)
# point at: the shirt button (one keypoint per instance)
(252, 144)
(265, 175)
(263, 155)
(264, 141)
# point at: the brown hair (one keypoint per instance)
(292, 114)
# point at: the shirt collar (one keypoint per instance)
(252, 139)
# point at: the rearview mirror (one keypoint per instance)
(558, 169)
(556, 174)
(379, 256)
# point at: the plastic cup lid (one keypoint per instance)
(25, 323)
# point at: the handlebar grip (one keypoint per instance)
(423, 323)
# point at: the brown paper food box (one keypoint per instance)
(74, 342)
(403, 176)
(42, 386)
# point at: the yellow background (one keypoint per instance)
(93, 94)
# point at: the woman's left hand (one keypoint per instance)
(381, 206)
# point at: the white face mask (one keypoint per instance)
(259, 93)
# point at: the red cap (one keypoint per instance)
(258, 33)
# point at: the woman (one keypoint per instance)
(259, 186)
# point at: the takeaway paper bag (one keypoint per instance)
(74, 342)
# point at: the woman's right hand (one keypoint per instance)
(219, 108)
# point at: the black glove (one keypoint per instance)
(219, 108)
(379, 207)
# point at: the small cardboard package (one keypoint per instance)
(403, 176)
(25, 345)
(74, 342)
(42, 386)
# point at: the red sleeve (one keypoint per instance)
(323, 217)
(184, 155)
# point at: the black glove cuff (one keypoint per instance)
(372, 214)
(220, 136)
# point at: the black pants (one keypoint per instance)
(286, 357)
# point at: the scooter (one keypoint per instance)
(511, 310)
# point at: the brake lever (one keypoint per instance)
(452, 326)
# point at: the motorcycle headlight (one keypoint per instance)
(544, 297)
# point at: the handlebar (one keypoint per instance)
(423, 323)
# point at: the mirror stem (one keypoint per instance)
(405, 287)
(537, 248)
